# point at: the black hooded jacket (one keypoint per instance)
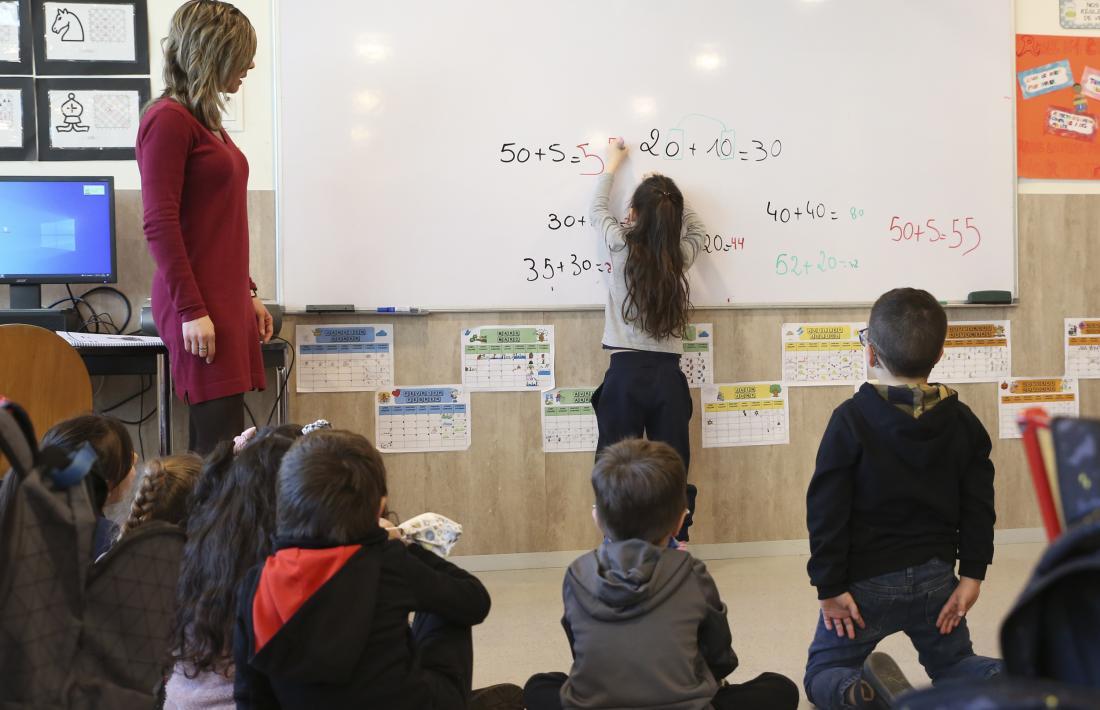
(892, 491)
(327, 627)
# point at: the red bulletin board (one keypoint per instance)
(1058, 107)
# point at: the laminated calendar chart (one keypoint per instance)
(417, 419)
(1059, 396)
(975, 351)
(697, 362)
(823, 354)
(1082, 338)
(745, 414)
(344, 358)
(568, 420)
(507, 358)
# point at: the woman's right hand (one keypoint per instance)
(616, 153)
(198, 338)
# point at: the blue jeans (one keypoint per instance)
(908, 600)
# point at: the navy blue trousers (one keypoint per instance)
(646, 394)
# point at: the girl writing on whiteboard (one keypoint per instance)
(648, 306)
(194, 186)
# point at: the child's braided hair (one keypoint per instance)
(164, 491)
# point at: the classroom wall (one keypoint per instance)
(511, 497)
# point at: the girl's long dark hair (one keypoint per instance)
(230, 529)
(657, 293)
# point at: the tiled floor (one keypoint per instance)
(773, 611)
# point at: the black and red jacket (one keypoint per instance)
(328, 627)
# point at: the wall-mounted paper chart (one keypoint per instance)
(344, 358)
(568, 420)
(745, 414)
(1082, 347)
(417, 419)
(823, 354)
(975, 351)
(697, 362)
(1057, 395)
(505, 358)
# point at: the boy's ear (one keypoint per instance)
(872, 356)
(680, 523)
(940, 357)
(596, 520)
(382, 506)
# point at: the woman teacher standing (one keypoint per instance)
(194, 185)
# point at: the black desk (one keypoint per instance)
(153, 360)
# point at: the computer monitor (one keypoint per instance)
(55, 230)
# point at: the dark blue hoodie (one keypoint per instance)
(892, 490)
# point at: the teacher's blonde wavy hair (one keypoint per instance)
(209, 44)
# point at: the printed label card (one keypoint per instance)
(1045, 79)
(1079, 14)
(568, 420)
(1082, 347)
(975, 351)
(1090, 81)
(823, 354)
(419, 419)
(344, 358)
(508, 358)
(1058, 396)
(745, 414)
(1069, 124)
(697, 362)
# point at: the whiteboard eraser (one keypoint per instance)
(989, 297)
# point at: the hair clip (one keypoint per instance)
(319, 424)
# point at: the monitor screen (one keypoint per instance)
(57, 230)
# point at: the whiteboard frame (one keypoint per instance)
(277, 98)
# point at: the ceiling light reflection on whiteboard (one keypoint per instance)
(708, 61)
(360, 135)
(367, 101)
(644, 105)
(373, 48)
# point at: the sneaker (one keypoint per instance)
(885, 681)
(504, 696)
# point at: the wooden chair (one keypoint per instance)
(44, 374)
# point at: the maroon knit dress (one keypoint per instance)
(194, 188)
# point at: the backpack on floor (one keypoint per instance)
(1001, 694)
(46, 528)
(1053, 631)
(75, 634)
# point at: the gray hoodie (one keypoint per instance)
(647, 629)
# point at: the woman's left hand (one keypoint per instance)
(263, 319)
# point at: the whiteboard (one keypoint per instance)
(427, 150)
